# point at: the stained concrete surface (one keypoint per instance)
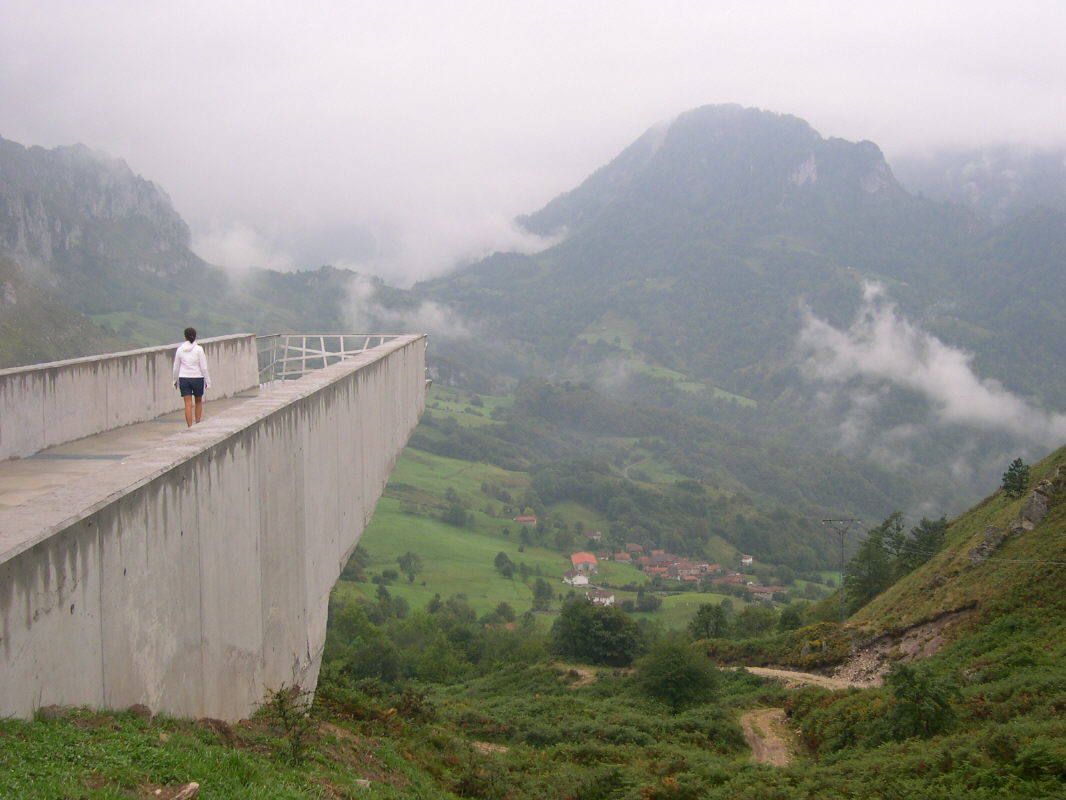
(194, 575)
(23, 479)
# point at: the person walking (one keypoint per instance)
(191, 377)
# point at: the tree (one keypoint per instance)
(455, 514)
(678, 675)
(872, 568)
(542, 594)
(1016, 478)
(504, 612)
(790, 619)
(647, 601)
(504, 564)
(709, 622)
(925, 540)
(596, 634)
(410, 565)
(755, 621)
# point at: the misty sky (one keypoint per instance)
(399, 136)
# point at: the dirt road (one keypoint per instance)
(791, 678)
(768, 736)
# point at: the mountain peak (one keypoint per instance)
(717, 159)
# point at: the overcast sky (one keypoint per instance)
(400, 136)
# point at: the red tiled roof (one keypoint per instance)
(582, 558)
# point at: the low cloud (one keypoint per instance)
(367, 313)
(240, 247)
(435, 242)
(883, 345)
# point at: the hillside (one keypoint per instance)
(86, 232)
(693, 265)
(35, 327)
(988, 567)
(998, 182)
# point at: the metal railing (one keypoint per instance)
(288, 356)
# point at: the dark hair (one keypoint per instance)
(190, 334)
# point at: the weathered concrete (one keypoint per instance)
(195, 575)
(46, 404)
(22, 479)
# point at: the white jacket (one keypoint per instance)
(190, 362)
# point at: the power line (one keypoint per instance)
(841, 527)
(987, 558)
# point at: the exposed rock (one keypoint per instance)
(873, 659)
(362, 782)
(1036, 507)
(187, 791)
(489, 747)
(1019, 526)
(994, 537)
(805, 172)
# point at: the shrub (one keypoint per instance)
(922, 705)
(677, 675)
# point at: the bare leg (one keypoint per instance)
(188, 409)
(199, 408)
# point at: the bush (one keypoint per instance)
(922, 705)
(677, 675)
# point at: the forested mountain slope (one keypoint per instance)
(703, 237)
(87, 232)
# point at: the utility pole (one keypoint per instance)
(841, 526)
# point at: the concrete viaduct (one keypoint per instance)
(189, 570)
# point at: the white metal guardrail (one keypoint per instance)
(288, 356)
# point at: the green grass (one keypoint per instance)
(620, 574)
(460, 560)
(612, 329)
(454, 404)
(87, 755)
(1022, 571)
(435, 474)
(456, 560)
(575, 512)
(678, 609)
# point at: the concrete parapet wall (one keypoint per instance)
(195, 576)
(48, 404)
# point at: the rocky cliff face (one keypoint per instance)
(66, 208)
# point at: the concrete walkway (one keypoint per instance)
(23, 479)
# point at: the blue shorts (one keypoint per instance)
(193, 386)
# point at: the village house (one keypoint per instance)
(585, 562)
(623, 557)
(529, 522)
(765, 593)
(593, 536)
(632, 547)
(746, 560)
(658, 554)
(575, 578)
(729, 579)
(600, 597)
